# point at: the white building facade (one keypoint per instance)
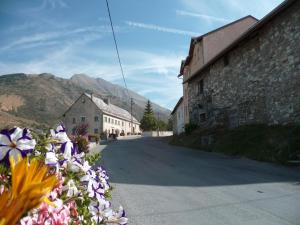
(178, 117)
(101, 116)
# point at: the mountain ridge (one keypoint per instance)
(45, 97)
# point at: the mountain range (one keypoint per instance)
(30, 99)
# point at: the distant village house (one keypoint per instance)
(102, 117)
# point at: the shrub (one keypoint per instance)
(82, 143)
(190, 127)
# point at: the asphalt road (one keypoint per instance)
(159, 184)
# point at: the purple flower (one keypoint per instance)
(100, 210)
(69, 149)
(15, 143)
(95, 190)
(60, 134)
(120, 216)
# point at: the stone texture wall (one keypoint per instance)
(257, 82)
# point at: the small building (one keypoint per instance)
(178, 117)
(101, 116)
(255, 79)
(205, 47)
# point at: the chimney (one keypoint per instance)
(106, 100)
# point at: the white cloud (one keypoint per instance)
(46, 4)
(40, 39)
(160, 28)
(22, 27)
(234, 8)
(202, 16)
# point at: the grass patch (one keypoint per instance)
(260, 142)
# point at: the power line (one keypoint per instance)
(120, 63)
(117, 49)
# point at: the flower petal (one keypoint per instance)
(16, 133)
(26, 145)
(3, 151)
(5, 138)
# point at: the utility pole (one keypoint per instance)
(158, 124)
(131, 104)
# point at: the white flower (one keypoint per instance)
(95, 190)
(68, 149)
(51, 159)
(16, 142)
(71, 188)
(99, 210)
(118, 217)
(86, 166)
(60, 134)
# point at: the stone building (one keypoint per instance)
(205, 47)
(178, 117)
(101, 117)
(256, 79)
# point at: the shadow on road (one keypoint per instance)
(151, 161)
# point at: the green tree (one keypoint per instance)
(162, 125)
(148, 121)
(170, 124)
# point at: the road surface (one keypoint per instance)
(160, 184)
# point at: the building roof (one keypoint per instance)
(246, 35)
(111, 109)
(194, 40)
(177, 105)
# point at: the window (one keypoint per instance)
(200, 87)
(105, 118)
(122, 123)
(96, 118)
(202, 117)
(119, 122)
(83, 100)
(83, 119)
(74, 120)
(116, 122)
(96, 131)
(109, 120)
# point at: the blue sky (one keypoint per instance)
(67, 37)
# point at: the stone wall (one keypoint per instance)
(256, 82)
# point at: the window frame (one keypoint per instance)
(203, 117)
(200, 87)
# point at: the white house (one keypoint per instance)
(178, 117)
(101, 116)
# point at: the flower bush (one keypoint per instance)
(50, 180)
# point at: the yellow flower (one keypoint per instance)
(31, 184)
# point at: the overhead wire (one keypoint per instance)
(119, 59)
(117, 49)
